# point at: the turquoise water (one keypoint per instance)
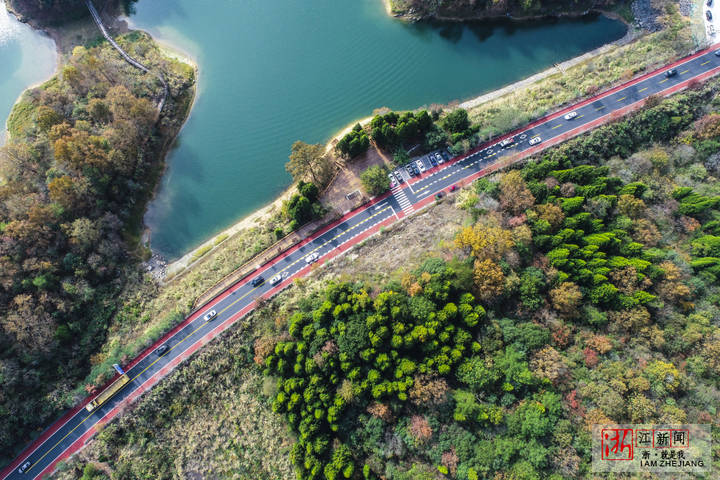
(27, 57)
(272, 72)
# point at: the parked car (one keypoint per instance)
(257, 281)
(452, 188)
(212, 313)
(708, 15)
(445, 155)
(23, 468)
(312, 258)
(162, 349)
(392, 180)
(431, 159)
(535, 140)
(570, 116)
(276, 279)
(671, 73)
(439, 158)
(398, 176)
(415, 169)
(420, 165)
(708, 3)
(410, 169)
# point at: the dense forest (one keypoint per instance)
(84, 154)
(489, 9)
(582, 290)
(56, 12)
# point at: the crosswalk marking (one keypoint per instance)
(402, 200)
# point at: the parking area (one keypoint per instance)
(711, 17)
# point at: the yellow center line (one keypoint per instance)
(684, 71)
(663, 81)
(600, 108)
(621, 99)
(642, 90)
(580, 116)
(201, 326)
(705, 63)
(556, 126)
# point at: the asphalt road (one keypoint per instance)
(75, 428)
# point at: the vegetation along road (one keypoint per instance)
(74, 429)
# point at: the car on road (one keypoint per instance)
(708, 15)
(535, 140)
(312, 258)
(162, 349)
(717, 53)
(708, 3)
(410, 169)
(570, 116)
(392, 180)
(257, 281)
(276, 279)
(23, 468)
(420, 165)
(507, 142)
(432, 160)
(671, 73)
(212, 313)
(452, 188)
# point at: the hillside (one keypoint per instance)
(84, 155)
(486, 9)
(47, 13)
(480, 339)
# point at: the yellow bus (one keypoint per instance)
(105, 395)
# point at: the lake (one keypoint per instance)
(27, 57)
(272, 72)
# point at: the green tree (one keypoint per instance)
(375, 180)
(309, 161)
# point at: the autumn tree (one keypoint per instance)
(485, 242)
(310, 162)
(515, 197)
(489, 279)
(566, 299)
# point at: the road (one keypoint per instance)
(76, 427)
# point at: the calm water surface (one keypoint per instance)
(27, 57)
(272, 72)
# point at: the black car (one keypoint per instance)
(445, 155)
(671, 73)
(162, 349)
(257, 281)
(432, 160)
(708, 15)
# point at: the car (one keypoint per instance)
(23, 468)
(717, 53)
(708, 15)
(415, 169)
(439, 158)
(671, 73)
(708, 3)
(276, 279)
(212, 313)
(506, 142)
(392, 180)
(432, 160)
(535, 140)
(410, 169)
(452, 188)
(312, 258)
(257, 281)
(570, 116)
(420, 165)
(162, 349)
(398, 176)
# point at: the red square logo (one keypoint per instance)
(617, 443)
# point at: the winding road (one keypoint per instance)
(77, 426)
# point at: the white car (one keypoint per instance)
(420, 165)
(312, 258)
(392, 180)
(507, 141)
(210, 315)
(275, 280)
(23, 468)
(535, 140)
(439, 158)
(570, 115)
